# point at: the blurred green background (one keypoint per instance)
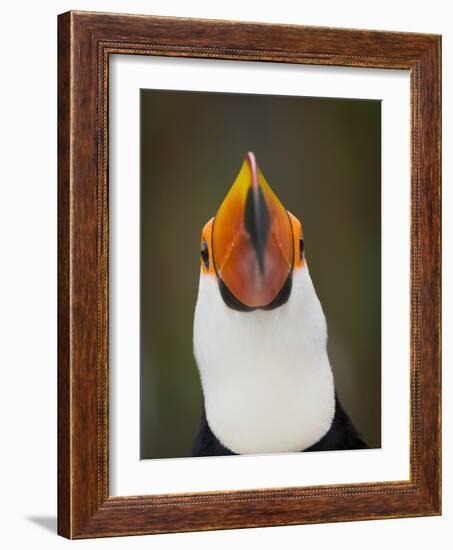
(322, 157)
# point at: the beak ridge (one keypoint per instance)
(257, 222)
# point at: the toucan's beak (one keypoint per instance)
(252, 239)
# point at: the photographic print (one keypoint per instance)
(248, 274)
(260, 274)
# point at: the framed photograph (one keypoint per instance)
(249, 275)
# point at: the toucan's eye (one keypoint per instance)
(301, 248)
(205, 254)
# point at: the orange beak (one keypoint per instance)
(252, 240)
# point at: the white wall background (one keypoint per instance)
(28, 161)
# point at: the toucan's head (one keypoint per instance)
(253, 244)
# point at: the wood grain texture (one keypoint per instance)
(64, 370)
(86, 40)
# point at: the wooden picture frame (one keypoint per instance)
(85, 42)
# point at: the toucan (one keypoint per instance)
(260, 334)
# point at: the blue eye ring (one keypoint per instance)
(205, 254)
(301, 247)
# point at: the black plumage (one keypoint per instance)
(342, 435)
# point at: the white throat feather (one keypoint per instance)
(267, 382)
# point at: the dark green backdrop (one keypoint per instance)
(322, 157)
